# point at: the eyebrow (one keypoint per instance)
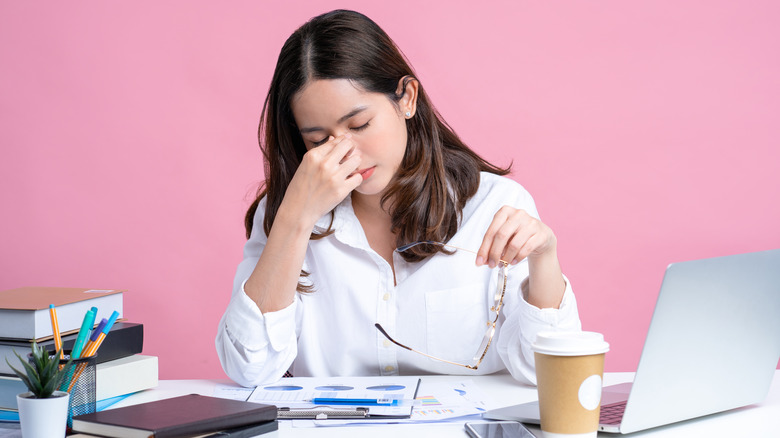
(355, 111)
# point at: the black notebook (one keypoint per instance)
(174, 417)
(124, 340)
(244, 431)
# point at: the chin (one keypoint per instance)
(371, 188)
(367, 192)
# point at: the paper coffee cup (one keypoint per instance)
(569, 370)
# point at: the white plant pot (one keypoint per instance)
(43, 417)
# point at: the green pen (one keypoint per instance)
(81, 339)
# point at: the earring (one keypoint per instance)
(408, 114)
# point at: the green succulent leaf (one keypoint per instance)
(21, 375)
(32, 372)
(45, 374)
(49, 368)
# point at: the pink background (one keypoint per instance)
(646, 130)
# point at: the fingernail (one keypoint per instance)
(480, 260)
(348, 135)
(515, 261)
(492, 264)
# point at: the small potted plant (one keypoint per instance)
(43, 411)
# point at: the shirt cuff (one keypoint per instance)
(551, 318)
(247, 325)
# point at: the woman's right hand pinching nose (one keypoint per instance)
(325, 177)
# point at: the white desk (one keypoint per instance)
(762, 420)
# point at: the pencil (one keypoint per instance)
(55, 328)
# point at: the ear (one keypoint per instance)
(407, 89)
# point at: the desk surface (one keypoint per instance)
(761, 420)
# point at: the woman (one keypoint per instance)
(358, 163)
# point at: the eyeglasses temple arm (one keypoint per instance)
(430, 242)
(381, 330)
(384, 333)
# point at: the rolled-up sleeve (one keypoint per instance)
(255, 348)
(523, 320)
(521, 325)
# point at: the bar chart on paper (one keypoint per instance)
(441, 402)
(437, 402)
(392, 397)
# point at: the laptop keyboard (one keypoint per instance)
(612, 413)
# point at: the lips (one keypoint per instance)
(367, 172)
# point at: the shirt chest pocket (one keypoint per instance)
(456, 322)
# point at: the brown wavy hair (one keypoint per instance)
(438, 173)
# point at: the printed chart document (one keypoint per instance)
(435, 402)
(385, 397)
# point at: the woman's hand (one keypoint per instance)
(514, 235)
(324, 178)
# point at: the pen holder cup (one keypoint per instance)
(81, 382)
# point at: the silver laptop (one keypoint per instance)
(713, 345)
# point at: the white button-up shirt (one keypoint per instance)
(439, 306)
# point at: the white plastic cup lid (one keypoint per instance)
(570, 343)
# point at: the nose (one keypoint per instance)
(340, 132)
(346, 135)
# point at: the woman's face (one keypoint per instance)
(334, 107)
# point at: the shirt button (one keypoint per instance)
(387, 343)
(386, 297)
(389, 368)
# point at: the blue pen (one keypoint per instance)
(102, 332)
(98, 329)
(356, 401)
(95, 334)
(111, 321)
(81, 339)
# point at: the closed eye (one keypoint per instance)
(321, 142)
(361, 127)
(356, 129)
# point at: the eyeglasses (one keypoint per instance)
(498, 302)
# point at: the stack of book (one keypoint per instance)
(24, 318)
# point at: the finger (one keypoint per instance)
(330, 157)
(519, 247)
(354, 180)
(342, 153)
(525, 226)
(316, 153)
(342, 148)
(500, 240)
(349, 153)
(349, 175)
(504, 246)
(326, 150)
(531, 244)
(487, 241)
(350, 167)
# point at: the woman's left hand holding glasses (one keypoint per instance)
(515, 235)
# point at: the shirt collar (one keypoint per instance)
(346, 226)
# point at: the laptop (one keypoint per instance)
(713, 345)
